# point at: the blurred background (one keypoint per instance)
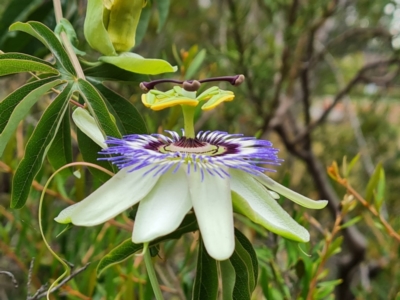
(322, 83)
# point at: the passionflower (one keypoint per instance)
(213, 173)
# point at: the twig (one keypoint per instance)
(344, 182)
(28, 284)
(66, 42)
(358, 77)
(12, 277)
(324, 255)
(40, 293)
(353, 32)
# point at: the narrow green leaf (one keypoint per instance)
(90, 153)
(16, 106)
(228, 278)
(22, 56)
(128, 248)
(245, 274)
(98, 109)
(163, 10)
(379, 195)
(60, 151)
(130, 118)
(195, 64)
(326, 288)
(12, 66)
(49, 39)
(143, 24)
(242, 239)
(351, 222)
(335, 246)
(206, 280)
(15, 11)
(352, 163)
(373, 183)
(107, 72)
(37, 147)
(133, 62)
(119, 254)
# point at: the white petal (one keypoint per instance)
(87, 124)
(115, 196)
(212, 204)
(254, 201)
(288, 193)
(163, 209)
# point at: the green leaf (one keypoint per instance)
(373, 183)
(90, 153)
(12, 13)
(12, 66)
(242, 239)
(335, 247)
(143, 24)
(352, 163)
(228, 278)
(37, 147)
(36, 10)
(107, 72)
(195, 64)
(130, 118)
(326, 288)
(206, 280)
(119, 254)
(243, 263)
(128, 248)
(98, 109)
(49, 39)
(351, 222)
(163, 10)
(66, 26)
(16, 106)
(60, 152)
(133, 62)
(379, 195)
(22, 56)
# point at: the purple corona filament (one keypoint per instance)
(212, 152)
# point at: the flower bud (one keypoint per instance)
(110, 25)
(123, 20)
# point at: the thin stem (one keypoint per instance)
(324, 256)
(66, 42)
(388, 227)
(57, 10)
(152, 275)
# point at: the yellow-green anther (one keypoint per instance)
(218, 99)
(122, 23)
(148, 99)
(161, 93)
(178, 90)
(208, 93)
(159, 105)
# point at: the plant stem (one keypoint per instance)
(66, 42)
(57, 10)
(188, 119)
(152, 275)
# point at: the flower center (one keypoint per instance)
(192, 146)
